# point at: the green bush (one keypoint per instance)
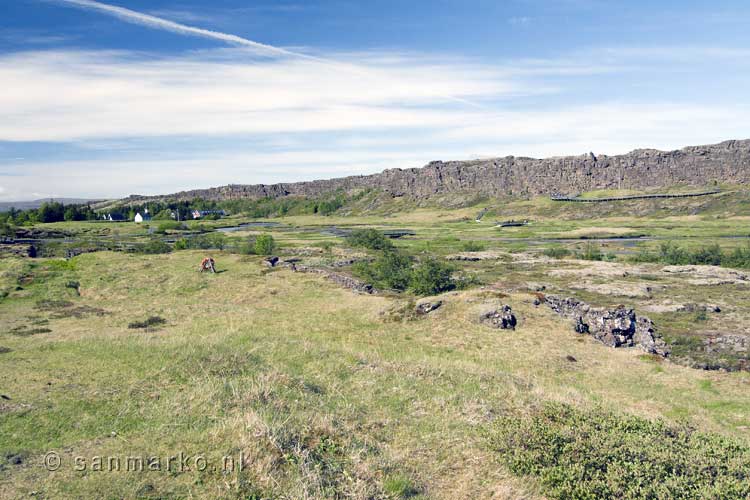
(264, 245)
(674, 255)
(591, 252)
(390, 270)
(327, 246)
(556, 252)
(472, 246)
(591, 454)
(153, 247)
(206, 241)
(181, 244)
(739, 257)
(371, 239)
(170, 225)
(431, 276)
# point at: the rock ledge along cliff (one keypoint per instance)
(726, 162)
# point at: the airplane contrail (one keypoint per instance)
(148, 20)
(135, 17)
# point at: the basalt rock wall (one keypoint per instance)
(727, 162)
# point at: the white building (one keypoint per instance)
(140, 218)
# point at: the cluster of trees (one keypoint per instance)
(279, 207)
(395, 270)
(256, 208)
(52, 211)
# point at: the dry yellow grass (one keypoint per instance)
(250, 357)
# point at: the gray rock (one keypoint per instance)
(502, 318)
(427, 306)
(618, 327)
(338, 278)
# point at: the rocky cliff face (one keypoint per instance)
(727, 162)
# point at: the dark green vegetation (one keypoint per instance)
(371, 239)
(395, 270)
(712, 255)
(591, 454)
(264, 244)
(47, 212)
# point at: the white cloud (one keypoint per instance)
(64, 96)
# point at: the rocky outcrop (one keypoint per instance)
(338, 278)
(727, 162)
(618, 327)
(427, 306)
(728, 344)
(502, 318)
(271, 261)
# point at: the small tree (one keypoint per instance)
(390, 270)
(264, 244)
(369, 238)
(431, 276)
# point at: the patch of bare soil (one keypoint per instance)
(708, 275)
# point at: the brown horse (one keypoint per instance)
(208, 264)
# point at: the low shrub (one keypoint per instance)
(153, 247)
(371, 239)
(556, 252)
(207, 241)
(395, 271)
(264, 245)
(391, 270)
(431, 277)
(170, 225)
(472, 246)
(590, 252)
(586, 454)
(671, 254)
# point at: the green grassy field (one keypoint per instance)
(318, 393)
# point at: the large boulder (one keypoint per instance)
(618, 327)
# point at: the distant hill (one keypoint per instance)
(26, 205)
(727, 162)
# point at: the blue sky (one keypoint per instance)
(108, 99)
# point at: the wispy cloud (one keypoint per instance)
(519, 21)
(30, 37)
(68, 95)
(151, 21)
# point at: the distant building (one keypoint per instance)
(197, 214)
(114, 217)
(142, 218)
